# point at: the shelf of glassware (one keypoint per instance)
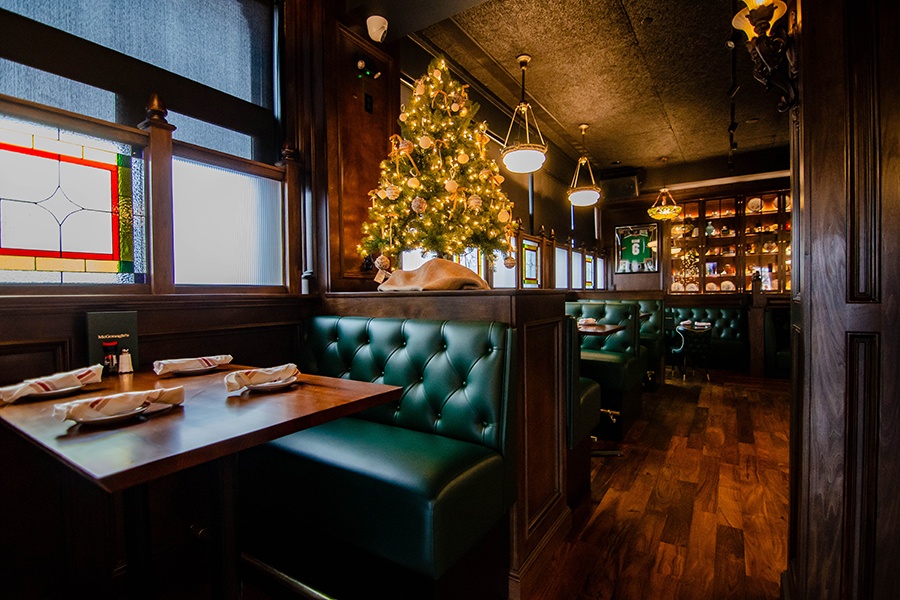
(767, 242)
(721, 237)
(684, 251)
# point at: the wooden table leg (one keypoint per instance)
(227, 582)
(138, 551)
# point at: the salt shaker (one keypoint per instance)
(125, 362)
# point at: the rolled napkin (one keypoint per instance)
(116, 404)
(180, 365)
(51, 383)
(238, 379)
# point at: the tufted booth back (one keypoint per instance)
(625, 313)
(727, 323)
(654, 326)
(457, 376)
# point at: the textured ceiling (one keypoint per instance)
(650, 77)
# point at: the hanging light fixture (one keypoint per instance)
(665, 208)
(769, 46)
(523, 156)
(586, 195)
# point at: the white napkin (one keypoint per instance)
(116, 404)
(178, 365)
(687, 322)
(238, 379)
(702, 325)
(58, 381)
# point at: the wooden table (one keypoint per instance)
(211, 425)
(600, 329)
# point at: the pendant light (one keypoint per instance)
(586, 195)
(523, 156)
(665, 208)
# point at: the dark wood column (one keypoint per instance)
(846, 464)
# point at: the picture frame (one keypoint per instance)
(637, 248)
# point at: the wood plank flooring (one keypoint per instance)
(696, 509)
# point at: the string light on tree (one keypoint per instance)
(438, 191)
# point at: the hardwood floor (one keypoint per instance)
(697, 508)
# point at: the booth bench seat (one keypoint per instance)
(418, 483)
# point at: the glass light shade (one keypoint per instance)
(584, 196)
(524, 158)
(664, 209)
(741, 21)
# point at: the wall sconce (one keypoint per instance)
(523, 156)
(586, 195)
(769, 45)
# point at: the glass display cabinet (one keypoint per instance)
(720, 245)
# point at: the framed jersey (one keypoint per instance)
(636, 248)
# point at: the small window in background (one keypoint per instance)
(531, 267)
(228, 226)
(471, 259)
(504, 278)
(71, 207)
(600, 282)
(590, 269)
(413, 259)
(577, 270)
(562, 268)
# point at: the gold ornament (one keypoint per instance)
(475, 202)
(392, 191)
(418, 205)
(412, 182)
(425, 142)
(420, 87)
(464, 112)
(436, 73)
(463, 158)
(503, 216)
(451, 186)
(403, 117)
(383, 263)
(381, 194)
(509, 262)
(454, 107)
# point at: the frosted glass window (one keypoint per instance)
(577, 270)
(207, 135)
(472, 260)
(562, 268)
(71, 207)
(503, 277)
(41, 87)
(225, 44)
(228, 226)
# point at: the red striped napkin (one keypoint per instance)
(183, 365)
(116, 404)
(51, 383)
(238, 379)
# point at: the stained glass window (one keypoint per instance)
(71, 207)
(531, 269)
(589, 269)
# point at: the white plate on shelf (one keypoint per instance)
(677, 287)
(787, 203)
(712, 287)
(727, 286)
(692, 287)
(754, 204)
(56, 393)
(271, 386)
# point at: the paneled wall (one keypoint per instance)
(845, 461)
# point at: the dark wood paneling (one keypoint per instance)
(360, 141)
(31, 358)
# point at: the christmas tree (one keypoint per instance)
(438, 190)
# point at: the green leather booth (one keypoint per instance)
(729, 346)
(615, 361)
(652, 336)
(419, 482)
